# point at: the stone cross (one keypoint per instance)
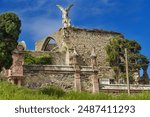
(65, 17)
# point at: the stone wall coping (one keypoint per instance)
(91, 30)
(58, 68)
(107, 67)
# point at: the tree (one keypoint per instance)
(9, 32)
(144, 62)
(116, 58)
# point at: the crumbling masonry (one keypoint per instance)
(79, 61)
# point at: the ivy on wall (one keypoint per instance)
(43, 59)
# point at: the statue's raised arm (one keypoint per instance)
(65, 17)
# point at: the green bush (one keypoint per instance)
(43, 59)
(28, 58)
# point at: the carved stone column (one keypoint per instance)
(77, 78)
(95, 80)
(77, 70)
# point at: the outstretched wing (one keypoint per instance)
(61, 8)
(68, 8)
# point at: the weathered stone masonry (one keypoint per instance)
(66, 77)
(15, 73)
(83, 40)
(79, 61)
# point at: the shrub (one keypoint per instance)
(43, 59)
(28, 58)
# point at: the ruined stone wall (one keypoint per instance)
(84, 40)
(43, 78)
(37, 76)
(58, 37)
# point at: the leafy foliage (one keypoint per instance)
(43, 59)
(116, 58)
(28, 58)
(9, 32)
(9, 26)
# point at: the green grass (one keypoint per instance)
(12, 92)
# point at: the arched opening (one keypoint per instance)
(49, 45)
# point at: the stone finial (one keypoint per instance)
(65, 16)
(21, 46)
(93, 54)
(93, 57)
(75, 57)
(75, 52)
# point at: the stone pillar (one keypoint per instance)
(20, 82)
(93, 58)
(95, 80)
(77, 70)
(67, 57)
(16, 75)
(12, 81)
(77, 80)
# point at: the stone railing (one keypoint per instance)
(124, 87)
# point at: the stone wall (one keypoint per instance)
(39, 79)
(83, 41)
(63, 76)
(86, 82)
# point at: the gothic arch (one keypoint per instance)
(46, 42)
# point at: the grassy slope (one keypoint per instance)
(11, 92)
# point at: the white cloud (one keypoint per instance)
(39, 27)
(31, 6)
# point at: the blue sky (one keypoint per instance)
(41, 18)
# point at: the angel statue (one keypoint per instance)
(65, 17)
